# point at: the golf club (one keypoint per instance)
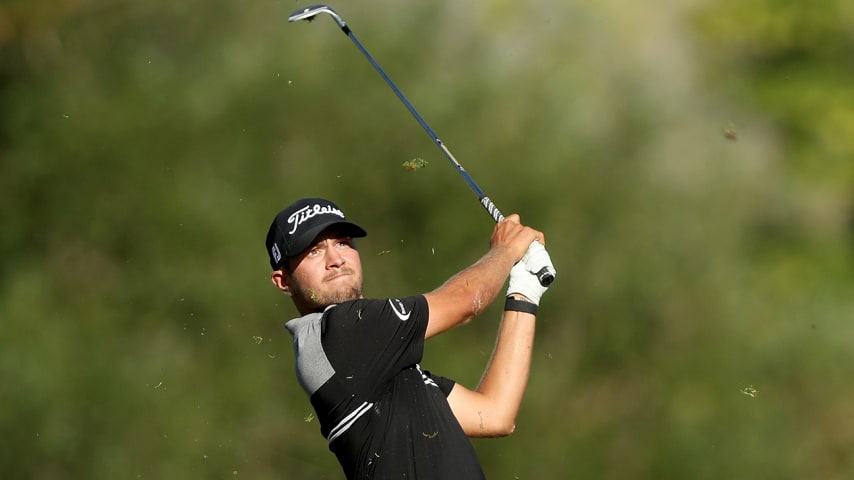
(546, 274)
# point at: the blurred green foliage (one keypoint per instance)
(692, 165)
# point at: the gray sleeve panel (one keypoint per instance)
(313, 368)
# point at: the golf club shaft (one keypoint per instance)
(484, 200)
(545, 276)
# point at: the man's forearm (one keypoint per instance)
(466, 294)
(483, 280)
(506, 376)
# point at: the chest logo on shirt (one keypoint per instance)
(399, 309)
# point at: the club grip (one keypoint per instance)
(545, 276)
(491, 209)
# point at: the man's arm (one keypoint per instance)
(468, 293)
(490, 411)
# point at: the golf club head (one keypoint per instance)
(308, 14)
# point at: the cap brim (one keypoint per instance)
(308, 237)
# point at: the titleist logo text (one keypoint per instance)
(307, 213)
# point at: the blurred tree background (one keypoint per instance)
(691, 162)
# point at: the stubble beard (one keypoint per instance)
(339, 296)
(316, 300)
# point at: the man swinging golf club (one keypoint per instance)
(358, 359)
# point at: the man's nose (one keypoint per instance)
(334, 257)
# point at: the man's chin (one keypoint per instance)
(342, 295)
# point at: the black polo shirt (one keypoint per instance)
(383, 416)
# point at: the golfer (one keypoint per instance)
(358, 359)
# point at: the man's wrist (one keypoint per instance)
(520, 296)
(519, 303)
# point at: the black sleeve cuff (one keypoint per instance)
(513, 305)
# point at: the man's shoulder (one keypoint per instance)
(375, 316)
(401, 307)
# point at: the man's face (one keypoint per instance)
(326, 273)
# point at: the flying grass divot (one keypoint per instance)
(415, 164)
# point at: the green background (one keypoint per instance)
(691, 163)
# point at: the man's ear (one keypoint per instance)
(280, 280)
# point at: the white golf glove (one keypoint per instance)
(523, 275)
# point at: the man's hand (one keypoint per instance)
(523, 275)
(512, 235)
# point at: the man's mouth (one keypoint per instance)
(338, 274)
